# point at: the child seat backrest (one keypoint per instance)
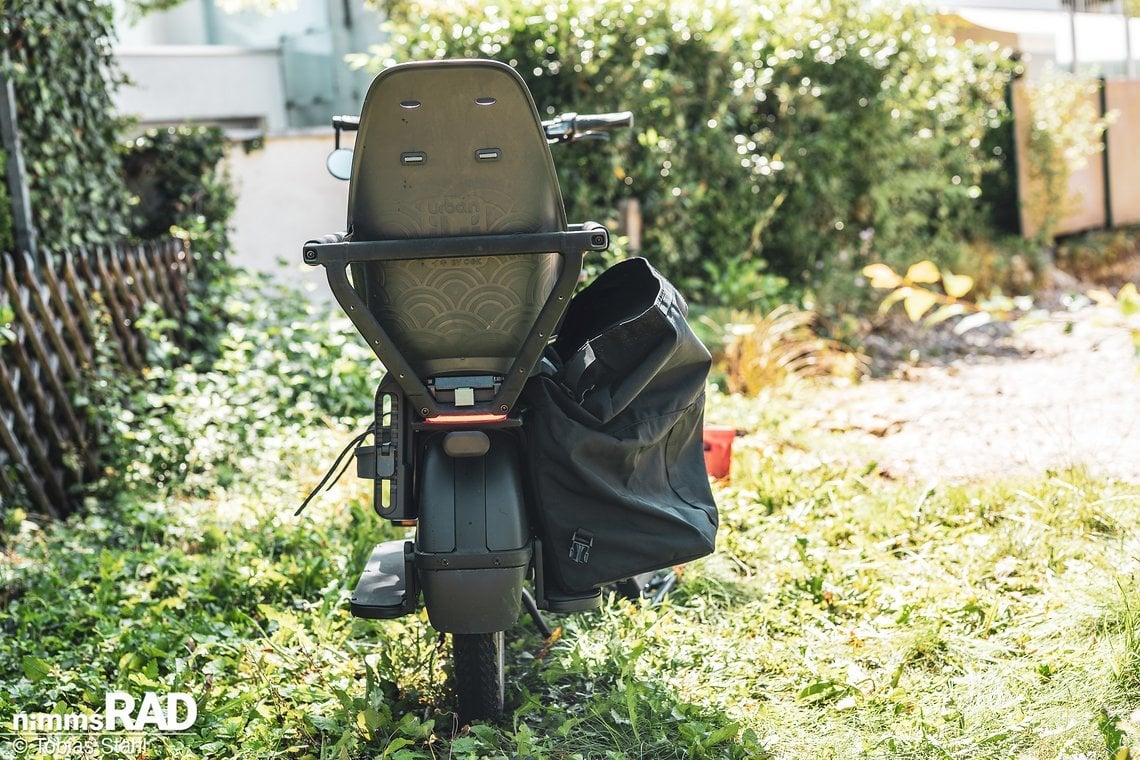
(445, 149)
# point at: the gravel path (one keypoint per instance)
(1040, 400)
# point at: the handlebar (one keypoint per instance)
(571, 127)
(344, 123)
(567, 127)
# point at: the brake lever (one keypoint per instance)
(591, 136)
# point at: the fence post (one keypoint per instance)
(1129, 67)
(1106, 163)
(22, 228)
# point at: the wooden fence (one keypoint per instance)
(1104, 193)
(59, 312)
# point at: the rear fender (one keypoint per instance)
(473, 544)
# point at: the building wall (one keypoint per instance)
(271, 76)
(283, 70)
(239, 88)
(286, 197)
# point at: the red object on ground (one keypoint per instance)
(718, 449)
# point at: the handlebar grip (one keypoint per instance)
(588, 122)
(336, 237)
(346, 123)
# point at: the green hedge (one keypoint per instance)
(64, 74)
(178, 180)
(777, 140)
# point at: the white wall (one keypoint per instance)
(185, 24)
(1046, 38)
(286, 197)
(203, 83)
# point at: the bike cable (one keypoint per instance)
(335, 466)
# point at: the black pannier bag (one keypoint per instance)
(614, 435)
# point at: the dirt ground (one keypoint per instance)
(1000, 404)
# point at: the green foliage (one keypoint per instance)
(844, 615)
(1065, 131)
(768, 137)
(64, 74)
(753, 352)
(180, 185)
(136, 9)
(277, 366)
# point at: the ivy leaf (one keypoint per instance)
(918, 302)
(957, 285)
(35, 669)
(924, 272)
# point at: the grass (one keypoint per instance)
(843, 615)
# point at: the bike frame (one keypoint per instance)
(446, 455)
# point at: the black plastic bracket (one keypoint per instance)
(389, 460)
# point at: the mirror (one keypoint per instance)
(339, 163)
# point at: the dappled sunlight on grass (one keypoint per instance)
(843, 615)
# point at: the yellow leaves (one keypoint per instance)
(957, 285)
(918, 301)
(1126, 305)
(1129, 300)
(881, 276)
(923, 272)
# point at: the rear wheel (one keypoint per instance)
(478, 661)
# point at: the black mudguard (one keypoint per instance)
(473, 546)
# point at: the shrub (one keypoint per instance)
(753, 352)
(279, 365)
(64, 74)
(769, 136)
(179, 182)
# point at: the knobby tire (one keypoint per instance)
(478, 660)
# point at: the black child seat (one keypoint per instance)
(468, 315)
(461, 258)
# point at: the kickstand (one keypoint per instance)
(539, 623)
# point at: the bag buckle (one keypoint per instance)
(580, 544)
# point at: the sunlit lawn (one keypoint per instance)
(843, 615)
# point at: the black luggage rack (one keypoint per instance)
(336, 253)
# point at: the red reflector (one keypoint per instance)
(465, 419)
